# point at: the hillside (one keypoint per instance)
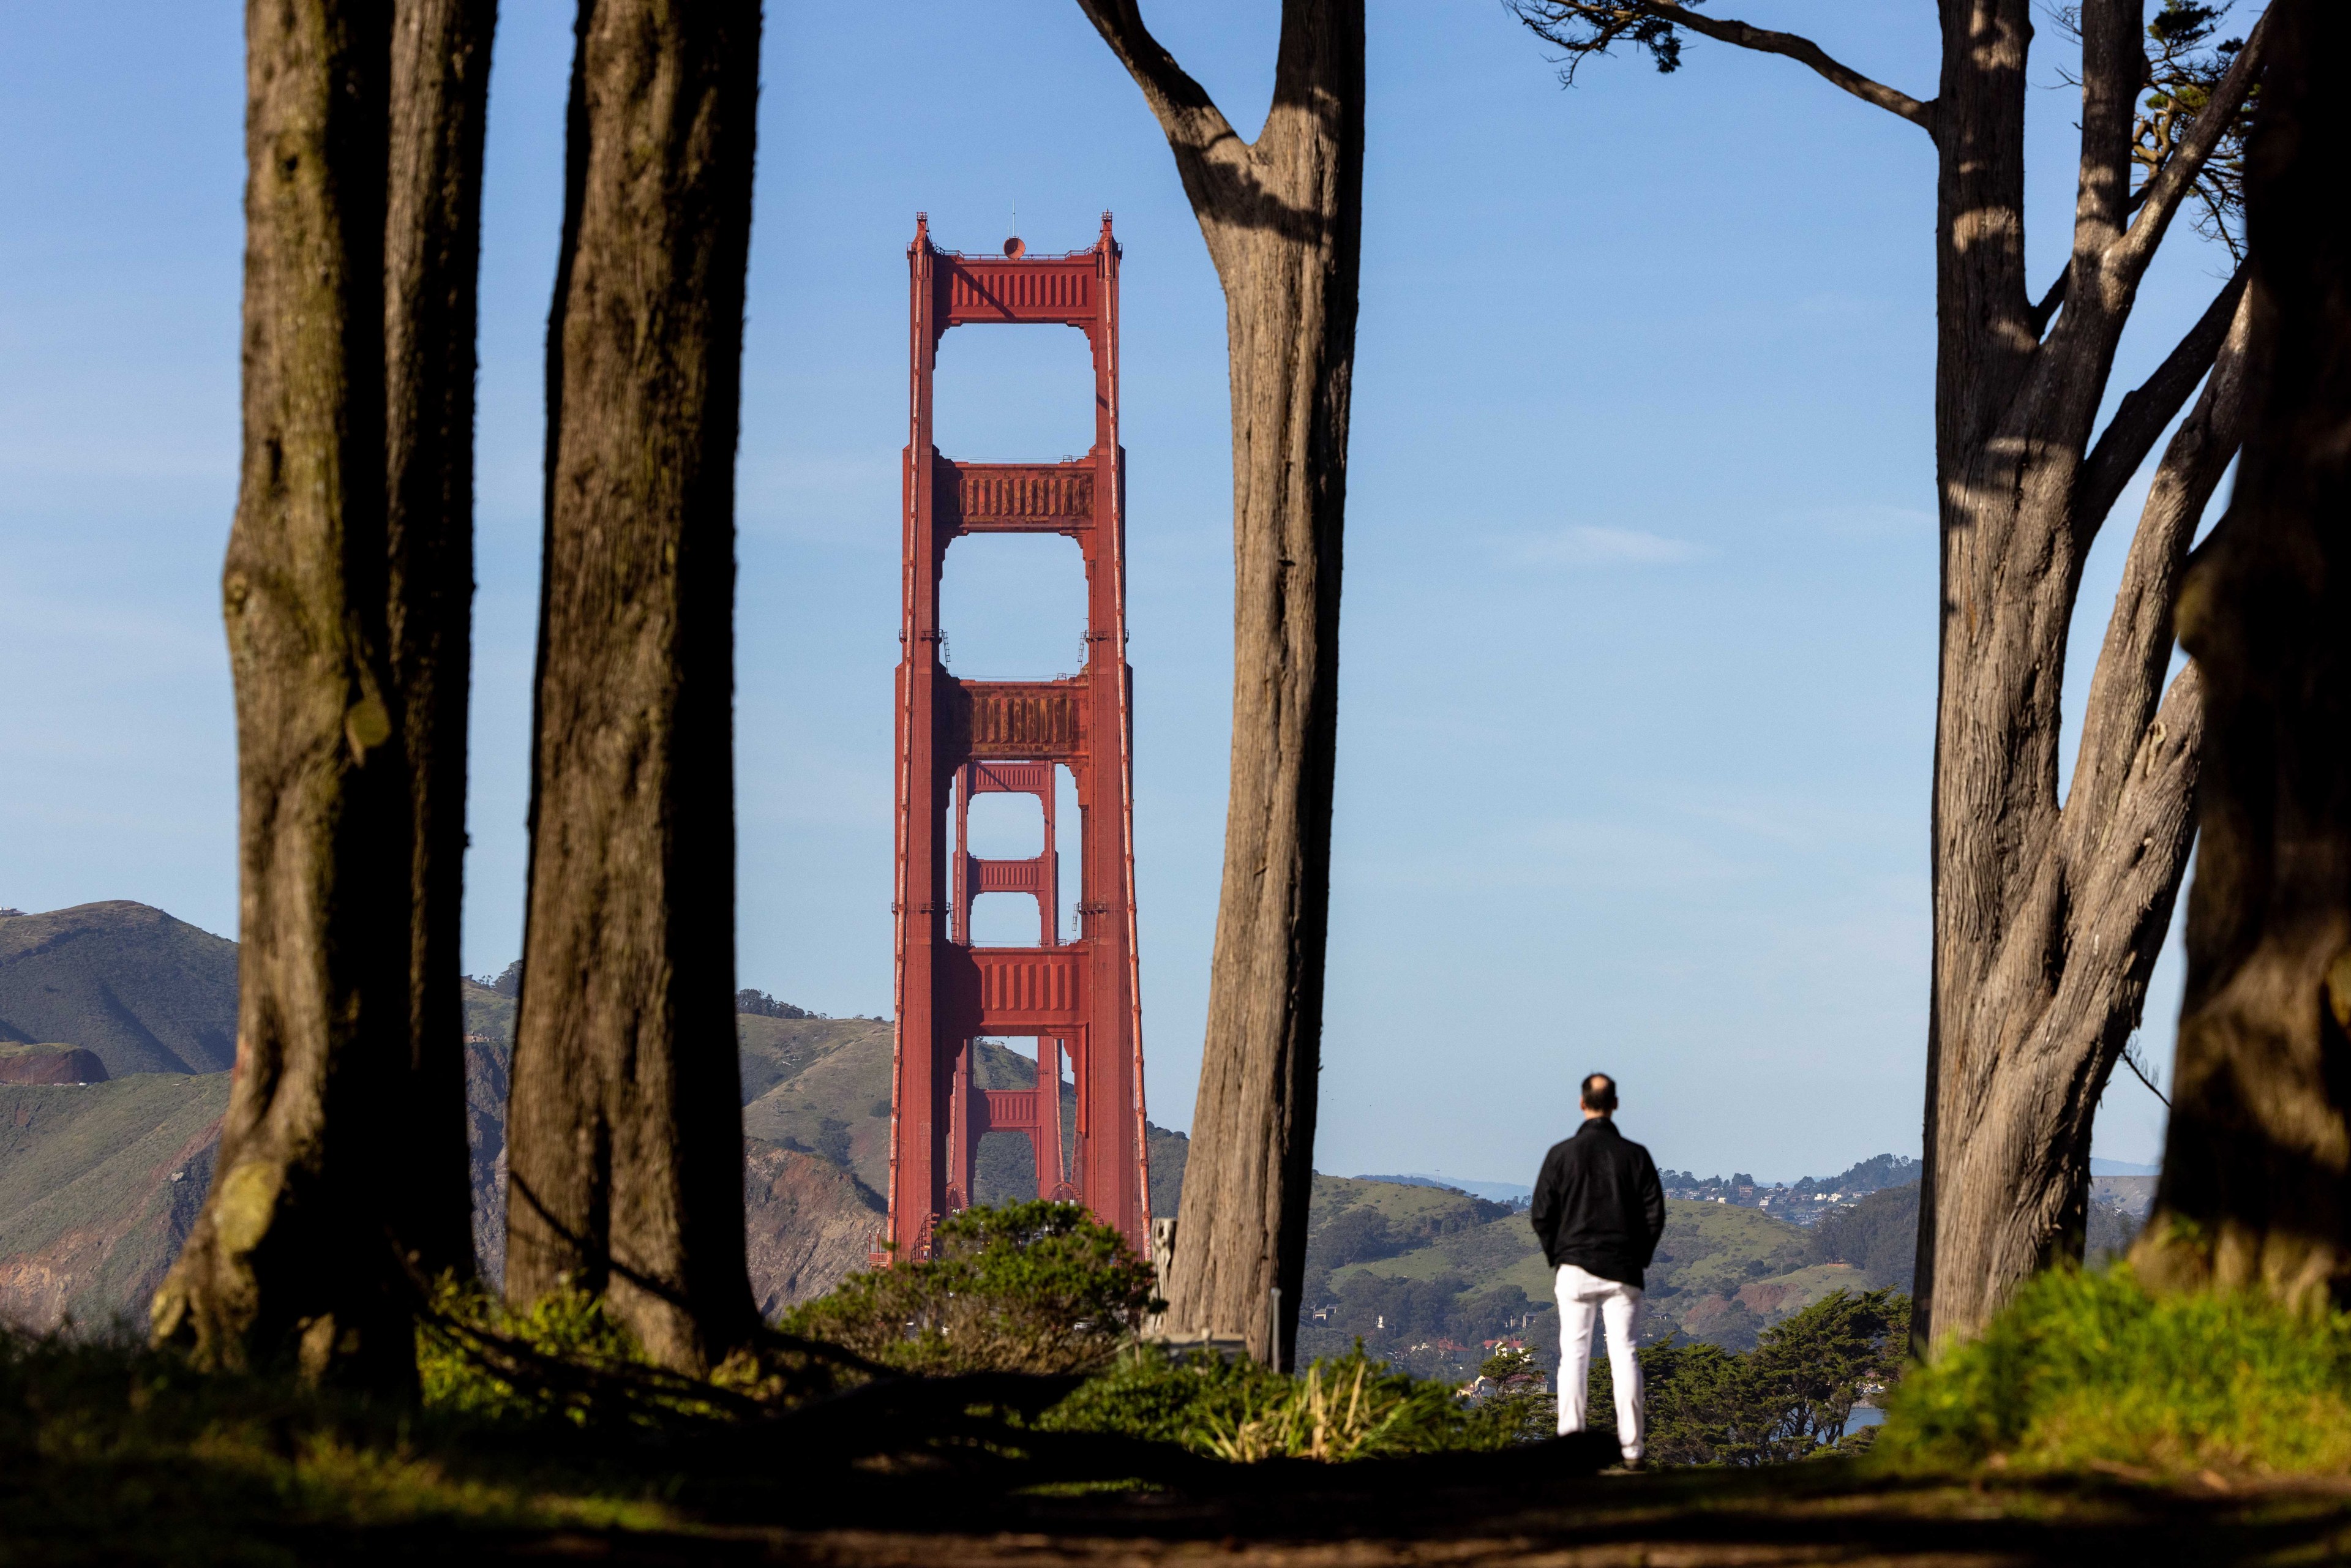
(1427, 1274)
(140, 991)
(1880, 1233)
(98, 1187)
(816, 1105)
(122, 992)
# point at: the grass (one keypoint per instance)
(2087, 1372)
(1340, 1409)
(113, 1453)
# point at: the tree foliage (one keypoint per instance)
(1879, 1236)
(759, 1004)
(1514, 1394)
(1789, 1399)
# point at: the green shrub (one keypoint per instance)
(1166, 1397)
(1344, 1408)
(1027, 1287)
(570, 1328)
(2089, 1370)
(1789, 1399)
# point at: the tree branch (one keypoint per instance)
(1183, 107)
(1611, 16)
(2052, 300)
(2130, 1060)
(2127, 682)
(2114, 64)
(1206, 146)
(2129, 256)
(2146, 409)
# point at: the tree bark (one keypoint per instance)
(292, 1256)
(2049, 911)
(440, 97)
(626, 1127)
(2256, 1184)
(1282, 217)
(2048, 908)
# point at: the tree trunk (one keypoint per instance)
(2049, 911)
(2256, 1185)
(440, 96)
(292, 1256)
(1284, 219)
(625, 1129)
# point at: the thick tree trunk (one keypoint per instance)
(2049, 910)
(2256, 1185)
(440, 96)
(626, 1131)
(292, 1256)
(1283, 221)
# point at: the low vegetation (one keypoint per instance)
(1791, 1397)
(110, 1452)
(1030, 1287)
(1436, 1280)
(2089, 1370)
(1351, 1407)
(553, 1420)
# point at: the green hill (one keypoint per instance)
(1427, 1275)
(93, 1213)
(815, 1098)
(141, 991)
(99, 1185)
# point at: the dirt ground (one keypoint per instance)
(1403, 1513)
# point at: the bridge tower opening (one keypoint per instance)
(957, 737)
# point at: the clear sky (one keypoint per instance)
(1639, 621)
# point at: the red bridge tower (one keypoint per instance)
(959, 738)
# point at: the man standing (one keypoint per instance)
(1599, 1210)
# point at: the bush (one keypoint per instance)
(1788, 1398)
(1027, 1287)
(1345, 1407)
(570, 1327)
(2086, 1370)
(1160, 1396)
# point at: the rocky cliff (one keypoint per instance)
(50, 1064)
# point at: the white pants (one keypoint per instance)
(1587, 1302)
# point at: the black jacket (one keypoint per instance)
(1598, 1204)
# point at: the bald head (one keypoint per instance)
(1599, 1094)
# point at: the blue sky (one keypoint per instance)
(1638, 634)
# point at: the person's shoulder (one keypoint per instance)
(1638, 1151)
(1560, 1153)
